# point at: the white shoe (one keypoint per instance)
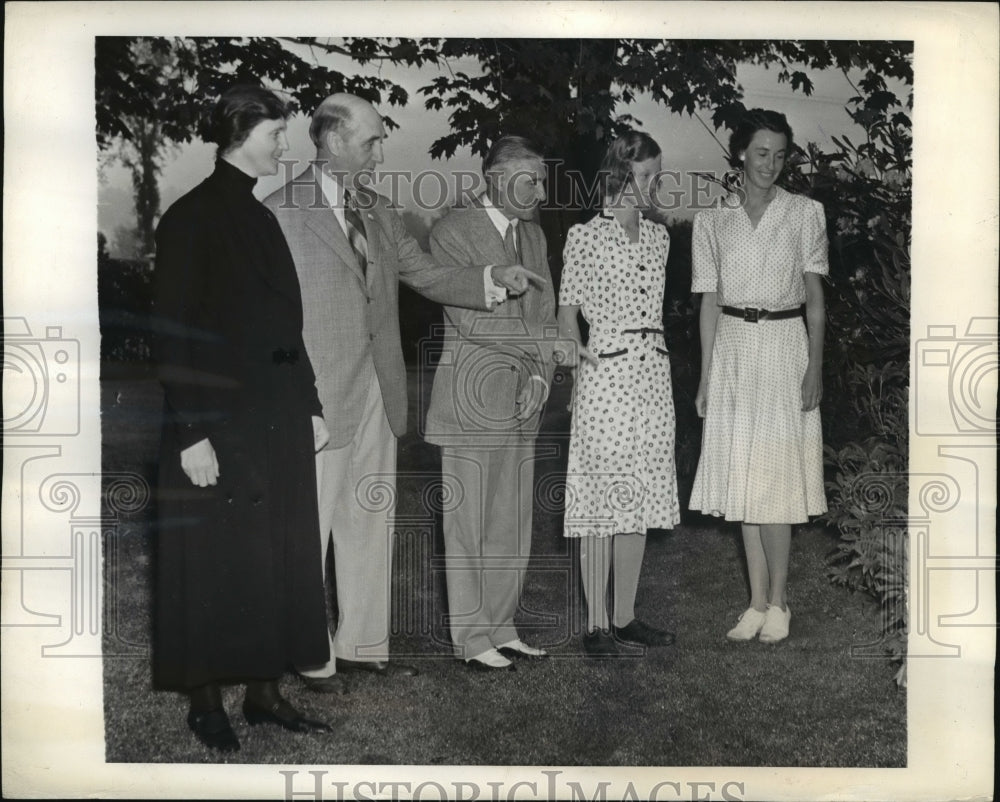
(776, 624)
(750, 623)
(491, 658)
(518, 648)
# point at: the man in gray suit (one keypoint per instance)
(351, 250)
(489, 389)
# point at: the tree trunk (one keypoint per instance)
(145, 170)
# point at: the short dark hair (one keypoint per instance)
(632, 146)
(509, 149)
(238, 112)
(328, 117)
(753, 121)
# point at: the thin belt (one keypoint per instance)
(752, 314)
(643, 332)
(622, 351)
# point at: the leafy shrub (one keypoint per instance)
(680, 329)
(124, 297)
(866, 191)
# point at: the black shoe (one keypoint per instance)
(212, 729)
(381, 667)
(474, 664)
(635, 631)
(332, 684)
(600, 643)
(282, 714)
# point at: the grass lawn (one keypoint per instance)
(703, 702)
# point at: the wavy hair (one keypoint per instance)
(616, 168)
(238, 112)
(753, 121)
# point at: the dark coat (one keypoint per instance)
(240, 591)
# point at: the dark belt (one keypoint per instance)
(752, 314)
(643, 332)
(283, 356)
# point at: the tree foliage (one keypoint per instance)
(866, 189)
(154, 92)
(573, 95)
(175, 81)
(570, 95)
(566, 91)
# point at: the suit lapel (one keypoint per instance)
(323, 223)
(373, 227)
(491, 246)
(486, 233)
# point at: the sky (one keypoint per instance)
(686, 143)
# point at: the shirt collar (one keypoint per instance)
(498, 218)
(333, 190)
(606, 214)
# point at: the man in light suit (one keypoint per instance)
(351, 250)
(489, 389)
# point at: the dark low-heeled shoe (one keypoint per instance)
(212, 728)
(282, 714)
(600, 643)
(332, 684)
(636, 631)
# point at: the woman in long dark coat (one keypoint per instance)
(240, 593)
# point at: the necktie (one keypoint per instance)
(510, 244)
(356, 232)
(510, 249)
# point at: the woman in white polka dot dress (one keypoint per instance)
(621, 478)
(757, 258)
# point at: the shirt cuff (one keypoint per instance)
(545, 384)
(495, 294)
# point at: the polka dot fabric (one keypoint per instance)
(621, 476)
(762, 456)
(760, 267)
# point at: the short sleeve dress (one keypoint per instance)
(621, 476)
(762, 456)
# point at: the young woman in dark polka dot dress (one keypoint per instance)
(757, 258)
(621, 478)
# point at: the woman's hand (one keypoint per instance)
(321, 435)
(701, 398)
(570, 353)
(199, 464)
(812, 389)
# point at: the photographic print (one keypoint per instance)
(469, 408)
